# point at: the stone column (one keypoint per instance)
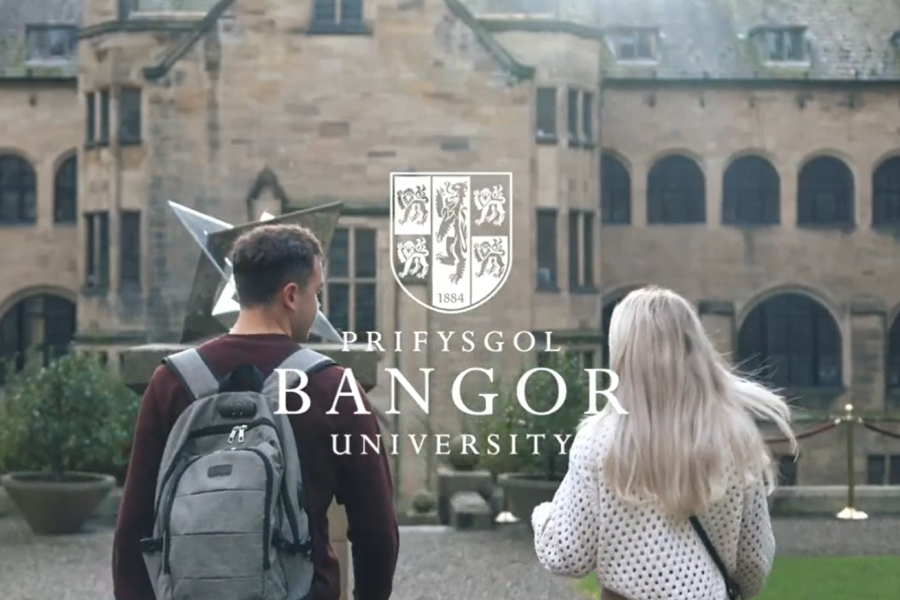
(337, 528)
(864, 359)
(867, 354)
(139, 363)
(718, 320)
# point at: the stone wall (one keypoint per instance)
(715, 126)
(40, 123)
(254, 94)
(851, 271)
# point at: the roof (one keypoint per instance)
(456, 7)
(847, 39)
(15, 15)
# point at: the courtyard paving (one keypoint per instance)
(435, 563)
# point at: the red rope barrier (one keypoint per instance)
(807, 434)
(876, 429)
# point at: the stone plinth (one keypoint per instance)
(452, 482)
(470, 511)
(828, 500)
(138, 364)
(337, 527)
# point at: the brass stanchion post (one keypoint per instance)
(850, 513)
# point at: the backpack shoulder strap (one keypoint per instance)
(193, 373)
(309, 362)
(303, 359)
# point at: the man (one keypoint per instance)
(278, 275)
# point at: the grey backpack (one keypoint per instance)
(230, 522)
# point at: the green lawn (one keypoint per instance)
(810, 578)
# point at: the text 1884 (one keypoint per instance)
(451, 298)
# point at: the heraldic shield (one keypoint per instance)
(452, 232)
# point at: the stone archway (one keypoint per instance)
(42, 322)
(793, 342)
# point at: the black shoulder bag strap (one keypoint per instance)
(734, 593)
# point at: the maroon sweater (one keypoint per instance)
(360, 481)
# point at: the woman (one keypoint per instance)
(689, 445)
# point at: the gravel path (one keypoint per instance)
(435, 564)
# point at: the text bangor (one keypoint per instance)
(295, 381)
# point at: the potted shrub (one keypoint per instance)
(529, 478)
(65, 432)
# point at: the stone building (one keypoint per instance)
(740, 153)
(40, 131)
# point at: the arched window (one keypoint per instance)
(615, 191)
(791, 341)
(750, 192)
(893, 357)
(65, 191)
(825, 193)
(18, 185)
(886, 193)
(43, 323)
(676, 192)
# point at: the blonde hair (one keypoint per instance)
(691, 423)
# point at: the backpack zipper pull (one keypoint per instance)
(234, 432)
(241, 430)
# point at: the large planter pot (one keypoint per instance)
(57, 504)
(524, 491)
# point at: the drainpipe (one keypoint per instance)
(395, 418)
(429, 458)
(115, 212)
(598, 250)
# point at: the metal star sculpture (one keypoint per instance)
(213, 307)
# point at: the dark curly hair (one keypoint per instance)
(268, 257)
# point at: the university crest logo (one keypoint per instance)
(452, 232)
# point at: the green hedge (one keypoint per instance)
(511, 418)
(70, 415)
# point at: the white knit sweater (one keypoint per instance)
(640, 552)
